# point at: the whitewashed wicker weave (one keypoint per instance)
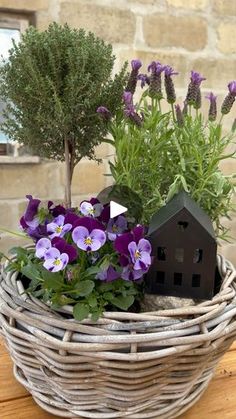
(127, 365)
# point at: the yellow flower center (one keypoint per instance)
(58, 229)
(56, 262)
(114, 228)
(91, 211)
(137, 254)
(88, 241)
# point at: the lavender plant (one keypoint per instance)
(53, 83)
(159, 153)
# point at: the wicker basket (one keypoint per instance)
(146, 365)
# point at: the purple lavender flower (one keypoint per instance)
(144, 80)
(229, 99)
(104, 112)
(212, 109)
(179, 116)
(140, 254)
(108, 275)
(54, 260)
(130, 111)
(116, 226)
(42, 246)
(91, 208)
(156, 68)
(132, 82)
(30, 218)
(58, 228)
(169, 85)
(193, 93)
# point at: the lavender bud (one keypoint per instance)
(230, 98)
(179, 116)
(169, 85)
(193, 88)
(198, 101)
(212, 114)
(133, 78)
(185, 108)
(155, 90)
(144, 80)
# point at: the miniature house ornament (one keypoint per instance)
(184, 250)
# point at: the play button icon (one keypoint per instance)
(116, 209)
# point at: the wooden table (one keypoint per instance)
(218, 402)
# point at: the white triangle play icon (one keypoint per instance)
(116, 209)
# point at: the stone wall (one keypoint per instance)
(187, 34)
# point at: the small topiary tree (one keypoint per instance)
(53, 82)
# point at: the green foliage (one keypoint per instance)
(53, 83)
(87, 295)
(159, 158)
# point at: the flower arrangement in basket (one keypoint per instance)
(78, 287)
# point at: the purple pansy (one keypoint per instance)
(88, 241)
(91, 208)
(42, 246)
(108, 275)
(30, 218)
(64, 247)
(140, 254)
(129, 274)
(56, 210)
(54, 260)
(58, 228)
(89, 234)
(116, 226)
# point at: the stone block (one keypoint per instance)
(7, 242)
(41, 180)
(226, 37)
(28, 5)
(229, 252)
(188, 32)
(110, 23)
(218, 72)
(177, 60)
(88, 178)
(7, 216)
(224, 7)
(189, 4)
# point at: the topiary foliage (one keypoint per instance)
(53, 82)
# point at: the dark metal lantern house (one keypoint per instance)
(184, 250)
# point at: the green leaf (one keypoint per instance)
(52, 280)
(80, 311)
(92, 300)
(123, 302)
(20, 252)
(93, 270)
(30, 271)
(2, 256)
(84, 288)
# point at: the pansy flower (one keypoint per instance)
(116, 226)
(55, 261)
(109, 274)
(89, 234)
(58, 228)
(42, 246)
(30, 219)
(91, 208)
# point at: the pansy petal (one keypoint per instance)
(71, 252)
(59, 220)
(34, 223)
(144, 246)
(132, 250)
(48, 264)
(82, 245)
(138, 233)
(95, 245)
(59, 243)
(52, 253)
(79, 233)
(51, 227)
(121, 222)
(65, 259)
(66, 228)
(32, 208)
(98, 235)
(86, 208)
(111, 236)
(90, 223)
(121, 243)
(71, 218)
(97, 209)
(42, 246)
